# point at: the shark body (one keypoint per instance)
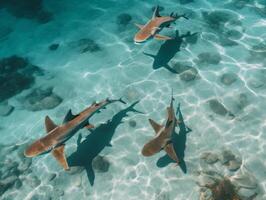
(163, 137)
(154, 26)
(57, 135)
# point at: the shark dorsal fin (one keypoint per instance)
(157, 127)
(59, 155)
(156, 12)
(49, 124)
(69, 116)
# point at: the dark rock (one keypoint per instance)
(224, 190)
(16, 75)
(217, 107)
(123, 19)
(5, 109)
(228, 78)
(189, 74)
(100, 164)
(30, 9)
(226, 156)
(85, 45)
(234, 165)
(209, 157)
(53, 47)
(41, 99)
(209, 58)
(180, 67)
(217, 19)
(132, 123)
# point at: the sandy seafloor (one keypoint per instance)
(120, 69)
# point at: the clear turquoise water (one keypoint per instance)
(120, 69)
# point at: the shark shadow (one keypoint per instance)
(179, 142)
(167, 51)
(96, 141)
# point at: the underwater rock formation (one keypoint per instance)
(228, 78)
(217, 107)
(30, 9)
(216, 19)
(185, 72)
(16, 75)
(85, 45)
(123, 19)
(209, 58)
(100, 164)
(132, 123)
(53, 47)
(12, 167)
(41, 99)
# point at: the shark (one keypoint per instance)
(163, 137)
(57, 135)
(152, 28)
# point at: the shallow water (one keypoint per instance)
(113, 66)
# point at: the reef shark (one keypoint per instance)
(154, 26)
(57, 135)
(163, 138)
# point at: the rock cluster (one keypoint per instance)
(16, 75)
(100, 164)
(30, 9)
(123, 19)
(226, 158)
(85, 45)
(12, 167)
(41, 99)
(240, 185)
(186, 72)
(209, 58)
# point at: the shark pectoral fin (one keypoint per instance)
(69, 116)
(139, 25)
(154, 29)
(157, 127)
(59, 155)
(162, 37)
(109, 145)
(49, 124)
(89, 126)
(169, 149)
